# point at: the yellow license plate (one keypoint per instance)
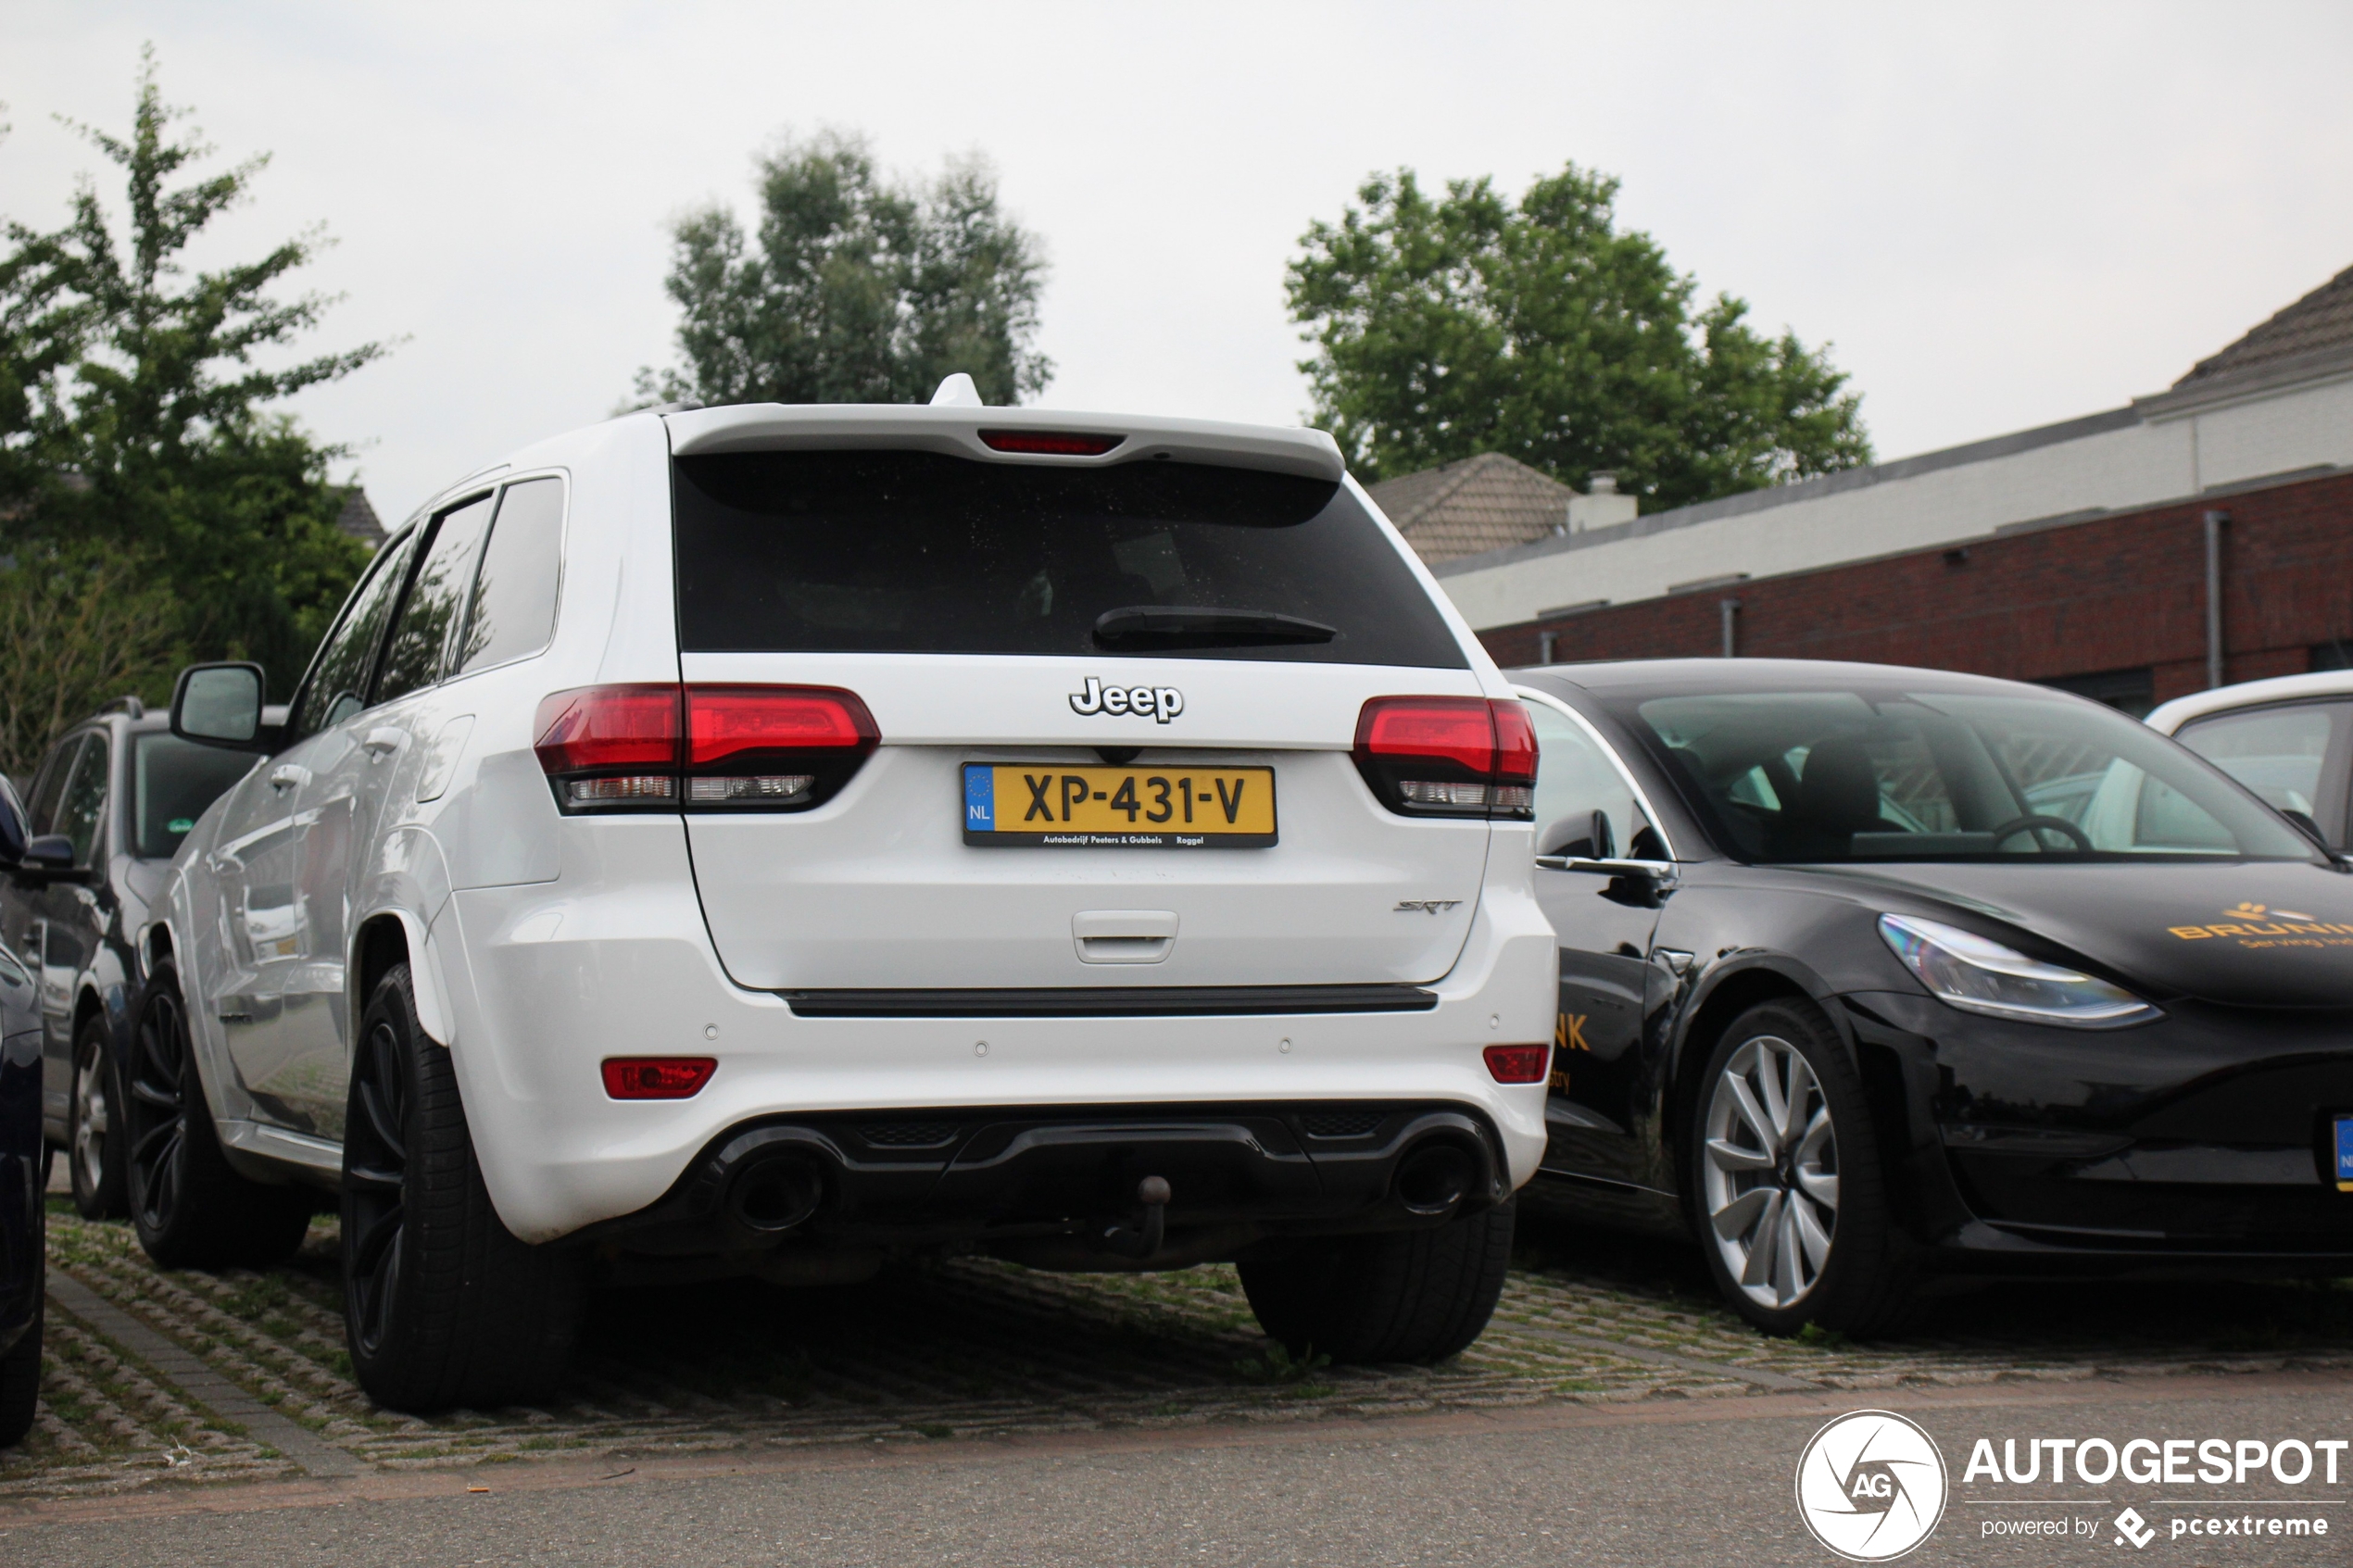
(1182, 807)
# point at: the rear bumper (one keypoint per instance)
(545, 980)
(1061, 1185)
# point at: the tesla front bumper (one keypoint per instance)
(2205, 1141)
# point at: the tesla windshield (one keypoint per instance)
(1890, 774)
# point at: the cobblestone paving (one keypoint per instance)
(973, 1349)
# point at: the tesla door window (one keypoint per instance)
(514, 600)
(1895, 774)
(1574, 780)
(428, 621)
(341, 674)
(83, 805)
(2276, 752)
(171, 782)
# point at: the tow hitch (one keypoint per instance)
(1143, 1239)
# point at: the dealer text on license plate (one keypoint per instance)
(1082, 807)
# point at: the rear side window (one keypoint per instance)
(51, 784)
(918, 552)
(514, 600)
(171, 782)
(2277, 752)
(428, 623)
(83, 805)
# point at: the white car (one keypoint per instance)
(2289, 739)
(771, 840)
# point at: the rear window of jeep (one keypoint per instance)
(919, 552)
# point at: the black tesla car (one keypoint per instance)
(109, 805)
(1872, 973)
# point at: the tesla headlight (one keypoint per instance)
(1978, 975)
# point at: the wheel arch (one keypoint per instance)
(1722, 994)
(383, 941)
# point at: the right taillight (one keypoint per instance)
(701, 748)
(1449, 755)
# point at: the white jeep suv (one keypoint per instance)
(776, 840)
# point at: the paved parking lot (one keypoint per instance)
(172, 1379)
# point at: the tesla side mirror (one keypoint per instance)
(219, 705)
(1582, 838)
(2307, 826)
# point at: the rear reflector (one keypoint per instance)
(1518, 1065)
(1449, 755)
(1050, 443)
(707, 748)
(657, 1077)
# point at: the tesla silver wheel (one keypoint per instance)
(90, 1114)
(1768, 1174)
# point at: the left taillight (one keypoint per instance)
(701, 748)
(1449, 755)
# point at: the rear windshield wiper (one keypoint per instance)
(1197, 626)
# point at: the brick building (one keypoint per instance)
(2200, 535)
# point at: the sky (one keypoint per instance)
(1998, 215)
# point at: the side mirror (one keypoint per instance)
(50, 852)
(1590, 838)
(2307, 826)
(13, 831)
(219, 705)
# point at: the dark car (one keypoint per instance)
(23, 1168)
(107, 809)
(1872, 973)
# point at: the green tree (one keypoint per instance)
(1447, 328)
(854, 289)
(141, 447)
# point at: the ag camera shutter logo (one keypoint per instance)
(1872, 1486)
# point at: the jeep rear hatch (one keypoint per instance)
(1115, 704)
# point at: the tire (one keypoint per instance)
(192, 1211)
(21, 1382)
(1405, 1296)
(1789, 1196)
(442, 1305)
(93, 1126)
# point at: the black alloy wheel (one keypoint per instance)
(93, 1126)
(21, 1382)
(1418, 1296)
(192, 1211)
(375, 1177)
(1784, 1180)
(442, 1305)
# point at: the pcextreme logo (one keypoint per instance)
(1872, 1486)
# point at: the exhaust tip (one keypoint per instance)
(776, 1195)
(1435, 1178)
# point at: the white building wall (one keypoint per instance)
(2276, 434)
(2147, 462)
